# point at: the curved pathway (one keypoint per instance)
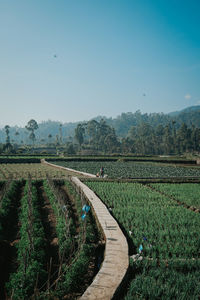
(116, 258)
(43, 161)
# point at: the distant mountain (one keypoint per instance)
(185, 110)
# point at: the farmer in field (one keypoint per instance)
(102, 172)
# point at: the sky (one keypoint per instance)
(73, 60)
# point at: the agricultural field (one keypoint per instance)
(132, 169)
(166, 233)
(186, 193)
(36, 170)
(46, 248)
(48, 251)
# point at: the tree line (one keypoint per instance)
(142, 139)
(140, 134)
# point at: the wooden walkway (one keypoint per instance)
(74, 172)
(116, 259)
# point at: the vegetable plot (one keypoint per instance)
(132, 169)
(187, 193)
(35, 274)
(168, 233)
(37, 171)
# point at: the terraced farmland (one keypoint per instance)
(132, 169)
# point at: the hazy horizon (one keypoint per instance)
(75, 60)
(86, 120)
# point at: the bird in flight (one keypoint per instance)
(55, 56)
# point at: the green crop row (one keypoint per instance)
(76, 241)
(31, 276)
(176, 280)
(77, 271)
(186, 193)
(64, 225)
(130, 169)
(167, 231)
(30, 248)
(7, 208)
(170, 228)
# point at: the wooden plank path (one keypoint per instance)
(116, 259)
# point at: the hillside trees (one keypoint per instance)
(141, 139)
(98, 136)
(146, 139)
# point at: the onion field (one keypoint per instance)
(167, 233)
(132, 169)
(186, 193)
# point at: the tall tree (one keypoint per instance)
(7, 130)
(79, 133)
(60, 131)
(32, 126)
(7, 147)
(183, 135)
(92, 130)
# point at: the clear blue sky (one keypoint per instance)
(109, 53)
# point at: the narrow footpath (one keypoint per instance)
(116, 259)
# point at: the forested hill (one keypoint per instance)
(48, 130)
(190, 116)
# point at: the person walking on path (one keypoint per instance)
(102, 172)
